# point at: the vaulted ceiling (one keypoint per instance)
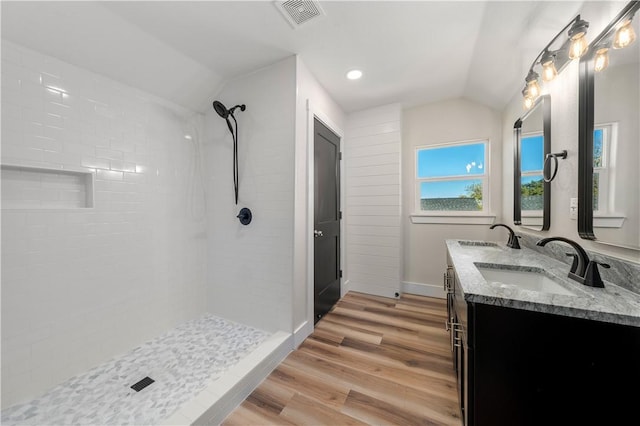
(411, 52)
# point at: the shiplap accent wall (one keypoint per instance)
(373, 200)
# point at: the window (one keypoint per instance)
(603, 137)
(452, 177)
(531, 165)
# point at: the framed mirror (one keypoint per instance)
(532, 142)
(609, 135)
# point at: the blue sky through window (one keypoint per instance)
(451, 161)
(598, 137)
(531, 153)
(446, 161)
(531, 178)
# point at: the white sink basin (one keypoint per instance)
(524, 280)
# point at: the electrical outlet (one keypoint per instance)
(573, 208)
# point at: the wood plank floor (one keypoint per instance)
(371, 360)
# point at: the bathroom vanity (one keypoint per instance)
(534, 348)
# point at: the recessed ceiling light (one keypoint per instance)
(354, 74)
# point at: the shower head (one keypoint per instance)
(220, 109)
(223, 111)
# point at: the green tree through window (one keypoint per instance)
(474, 191)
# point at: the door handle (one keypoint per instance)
(317, 233)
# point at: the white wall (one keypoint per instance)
(311, 100)
(251, 267)
(372, 166)
(82, 285)
(448, 121)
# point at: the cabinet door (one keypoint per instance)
(534, 368)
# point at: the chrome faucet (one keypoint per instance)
(583, 270)
(513, 238)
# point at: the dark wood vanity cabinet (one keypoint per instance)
(457, 325)
(519, 367)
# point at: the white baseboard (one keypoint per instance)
(376, 290)
(421, 289)
(344, 288)
(302, 333)
(223, 395)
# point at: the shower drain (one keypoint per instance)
(142, 384)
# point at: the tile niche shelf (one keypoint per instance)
(26, 187)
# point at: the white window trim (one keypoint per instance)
(532, 220)
(606, 216)
(608, 221)
(480, 217)
(460, 219)
(605, 171)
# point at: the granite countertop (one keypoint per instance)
(612, 303)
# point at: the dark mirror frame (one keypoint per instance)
(586, 105)
(543, 102)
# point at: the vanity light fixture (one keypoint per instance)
(354, 74)
(533, 88)
(625, 35)
(601, 61)
(549, 71)
(528, 102)
(579, 43)
(569, 43)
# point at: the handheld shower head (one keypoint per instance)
(226, 113)
(220, 109)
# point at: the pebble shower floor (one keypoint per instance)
(182, 362)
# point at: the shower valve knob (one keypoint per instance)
(245, 216)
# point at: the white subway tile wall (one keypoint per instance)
(372, 168)
(81, 285)
(251, 267)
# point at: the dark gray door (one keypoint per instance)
(326, 219)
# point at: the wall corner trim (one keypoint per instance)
(302, 332)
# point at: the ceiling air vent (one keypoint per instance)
(299, 12)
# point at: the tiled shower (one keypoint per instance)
(182, 362)
(110, 227)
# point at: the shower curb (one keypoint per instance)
(222, 396)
